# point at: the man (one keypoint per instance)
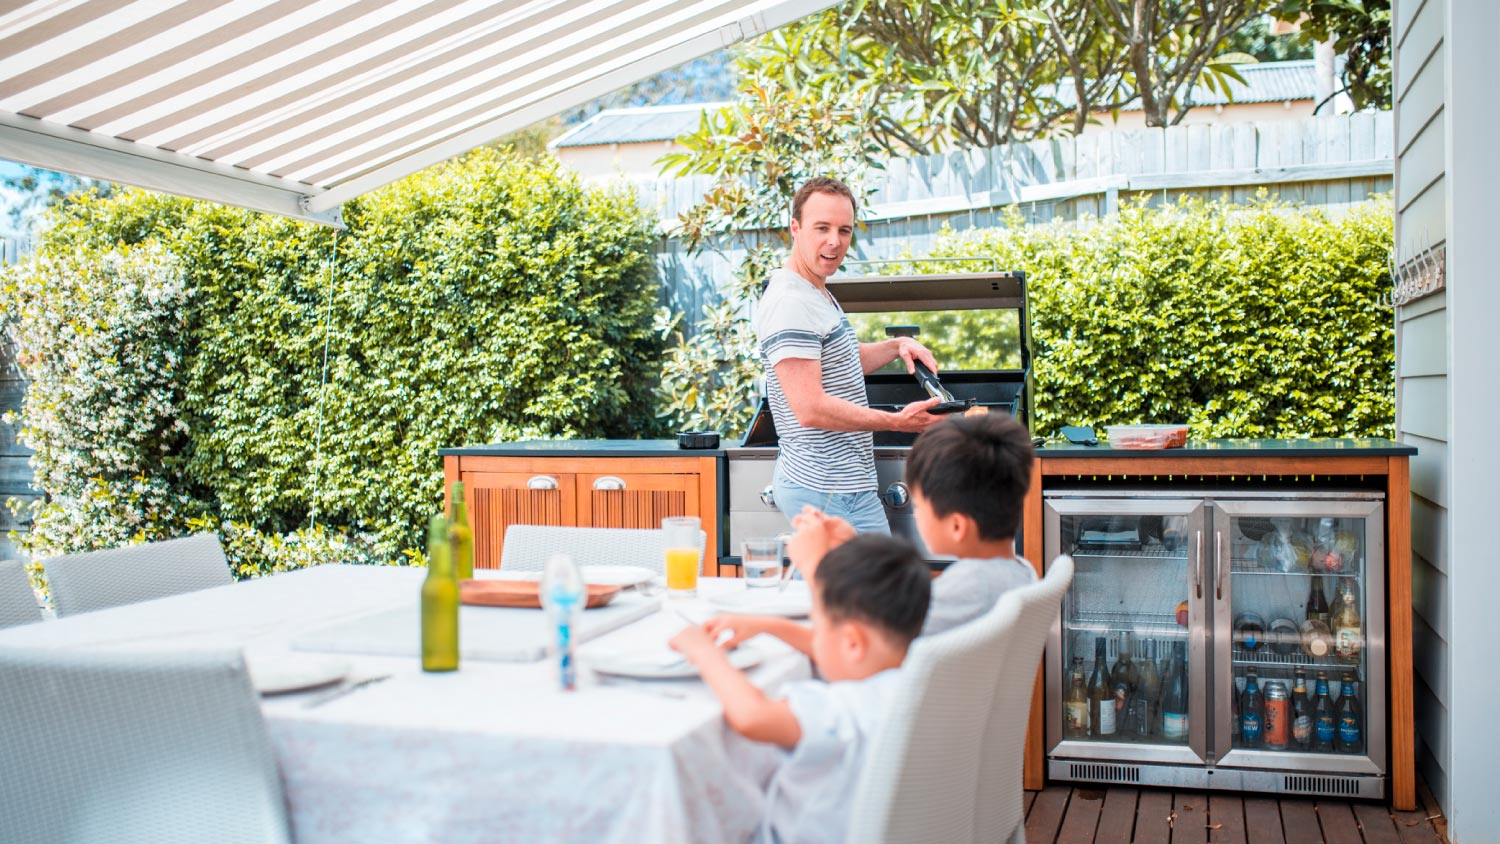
(815, 370)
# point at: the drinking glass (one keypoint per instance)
(683, 541)
(760, 562)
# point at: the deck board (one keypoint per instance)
(1046, 815)
(1339, 825)
(1263, 821)
(1191, 823)
(1226, 819)
(1299, 821)
(1082, 819)
(1097, 814)
(1376, 824)
(1153, 824)
(1117, 821)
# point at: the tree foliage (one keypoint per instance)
(489, 299)
(1361, 33)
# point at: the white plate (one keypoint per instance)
(616, 575)
(793, 602)
(663, 664)
(281, 673)
(610, 575)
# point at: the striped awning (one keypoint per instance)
(295, 106)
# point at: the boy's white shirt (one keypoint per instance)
(812, 791)
(969, 588)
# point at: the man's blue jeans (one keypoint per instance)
(863, 510)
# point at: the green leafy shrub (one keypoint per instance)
(493, 298)
(1255, 320)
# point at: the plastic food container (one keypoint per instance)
(1146, 436)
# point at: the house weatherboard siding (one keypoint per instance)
(1446, 401)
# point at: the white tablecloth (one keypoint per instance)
(492, 752)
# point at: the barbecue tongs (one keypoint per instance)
(935, 389)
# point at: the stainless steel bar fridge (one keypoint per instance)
(1220, 640)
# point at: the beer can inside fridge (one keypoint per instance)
(1260, 614)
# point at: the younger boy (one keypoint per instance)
(968, 477)
(868, 603)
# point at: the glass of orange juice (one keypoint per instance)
(682, 539)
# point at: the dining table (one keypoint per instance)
(374, 749)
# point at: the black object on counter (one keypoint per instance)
(934, 388)
(697, 439)
(1079, 435)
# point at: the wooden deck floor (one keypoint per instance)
(1114, 815)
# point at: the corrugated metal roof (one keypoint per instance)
(1268, 82)
(635, 125)
(294, 106)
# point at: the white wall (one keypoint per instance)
(1423, 388)
(1473, 28)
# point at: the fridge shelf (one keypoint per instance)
(1241, 567)
(1269, 659)
(1159, 625)
(1114, 551)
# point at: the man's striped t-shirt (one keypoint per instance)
(796, 320)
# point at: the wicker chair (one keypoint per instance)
(98, 580)
(17, 602)
(527, 547)
(135, 748)
(946, 768)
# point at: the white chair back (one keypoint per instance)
(17, 602)
(946, 766)
(527, 547)
(97, 580)
(135, 748)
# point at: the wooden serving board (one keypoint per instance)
(524, 593)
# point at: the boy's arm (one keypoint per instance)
(745, 627)
(746, 708)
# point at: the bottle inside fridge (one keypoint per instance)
(1126, 620)
(1306, 574)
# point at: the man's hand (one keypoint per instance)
(909, 350)
(817, 533)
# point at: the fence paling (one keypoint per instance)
(1330, 162)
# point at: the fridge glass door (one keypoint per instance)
(1299, 609)
(1125, 665)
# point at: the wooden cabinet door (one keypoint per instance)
(633, 500)
(498, 500)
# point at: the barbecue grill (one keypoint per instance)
(752, 510)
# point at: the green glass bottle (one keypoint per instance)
(460, 535)
(439, 602)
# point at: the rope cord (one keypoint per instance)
(323, 380)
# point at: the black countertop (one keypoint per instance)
(1362, 447)
(1372, 447)
(582, 448)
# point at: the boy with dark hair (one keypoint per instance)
(968, 477)
(868, 603)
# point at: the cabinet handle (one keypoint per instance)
(542, 482)
(1198, 564)
(609, 482)
(1221, 561)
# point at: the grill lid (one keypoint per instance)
(1006, 390)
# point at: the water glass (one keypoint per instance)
(683, 540)
(760, 562)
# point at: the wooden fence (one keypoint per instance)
(1328, 162)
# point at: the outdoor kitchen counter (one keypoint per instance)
(1305, 462)
(582, 448)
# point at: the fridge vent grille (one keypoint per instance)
(1322, 785)
(1105, 773)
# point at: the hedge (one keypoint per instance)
(493, 298)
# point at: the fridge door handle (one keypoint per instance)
(1198, 564)
(1221, 562)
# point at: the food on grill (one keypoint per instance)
(977, 410)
